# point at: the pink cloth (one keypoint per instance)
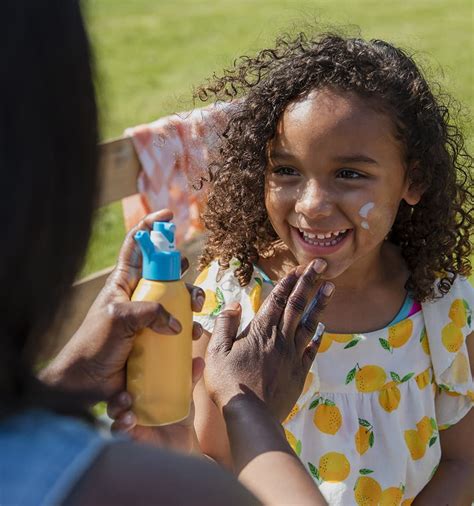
(174, 152)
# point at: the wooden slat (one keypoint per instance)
(86, 290)
(119, 167)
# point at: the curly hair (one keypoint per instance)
(434, 235)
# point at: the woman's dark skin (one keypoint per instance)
(276, 347)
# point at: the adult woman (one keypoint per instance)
(51, 452)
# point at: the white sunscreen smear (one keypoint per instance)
(364, 212)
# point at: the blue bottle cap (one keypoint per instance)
(161, 259)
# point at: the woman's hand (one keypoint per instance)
(272, 357)
(178, 436)
(95, 358)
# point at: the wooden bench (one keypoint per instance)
(119, 168)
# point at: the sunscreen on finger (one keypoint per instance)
(159, 369)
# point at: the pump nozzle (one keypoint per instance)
(161, 260)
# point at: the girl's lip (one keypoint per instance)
(317, 250)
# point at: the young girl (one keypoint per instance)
(340, 150)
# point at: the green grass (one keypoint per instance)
(151, 53)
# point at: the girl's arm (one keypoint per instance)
(256, 377)
(453, 482)
(208, 421)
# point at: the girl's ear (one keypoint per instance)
(414, 188)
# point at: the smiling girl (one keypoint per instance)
(340, 151)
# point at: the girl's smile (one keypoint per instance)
(335, 179)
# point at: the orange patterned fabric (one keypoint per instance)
(174, 152)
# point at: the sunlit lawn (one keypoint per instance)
(151, 53)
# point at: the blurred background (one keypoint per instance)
(152, 53)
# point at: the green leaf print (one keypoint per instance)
(371, 439)
(433, 424)
(352, 343)
(350, 375)
(435, 468)
(365, 471)
(395, 377)
(407, 377)
(364, 423)
(468, 311)
(314, 403)
(422, 335)
(258, 281)
(432, 441)
(220, 302)
(298, 448)
(385, 345)
(314, 471)
(328, 402)
(443, 387)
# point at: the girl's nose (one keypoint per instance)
(314, 201)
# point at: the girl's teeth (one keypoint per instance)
(322, 239)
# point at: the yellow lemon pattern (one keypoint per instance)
(458, 313)
(293, 442)
(333, 467)
(213, 304)
(367, 491)
(256, 295)
(364, 437)
(423, 379)
(452, 337)
(326, 342)
(389, 396)
(425, 345)
(415, 444)
(327, 417)
(399, 334)
(392, 496)
(308, 382)
(368, 378)
(294, 411)
(367, 389)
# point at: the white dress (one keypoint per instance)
(366, 425)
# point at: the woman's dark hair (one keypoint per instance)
(434, 235)
(48, 159)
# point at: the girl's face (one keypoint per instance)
(335, 179)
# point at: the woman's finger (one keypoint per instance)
(300, 297)
(198, 370)
(308, 325)
(197, 331)
(225, 330)
(136, 315)
(274, 305)
(118, 404)
(129, 257)
(184, 265)
(197, 297)
(309, 353)
(125, 422)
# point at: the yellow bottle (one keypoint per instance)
(160, 366)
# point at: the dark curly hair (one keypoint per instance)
(434, 235)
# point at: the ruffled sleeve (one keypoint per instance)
(449, 322)
(222, 287)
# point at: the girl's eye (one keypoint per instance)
(286, 171)
(349, 174)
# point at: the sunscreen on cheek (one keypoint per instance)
(364, 212)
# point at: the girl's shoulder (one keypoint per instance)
(448, 324)
(222, 287)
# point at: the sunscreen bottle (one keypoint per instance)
(160, 366)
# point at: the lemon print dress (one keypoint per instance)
(367, 423)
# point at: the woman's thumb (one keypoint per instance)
(225, 329)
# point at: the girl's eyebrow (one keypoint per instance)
(357, 158)
(280, 154)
